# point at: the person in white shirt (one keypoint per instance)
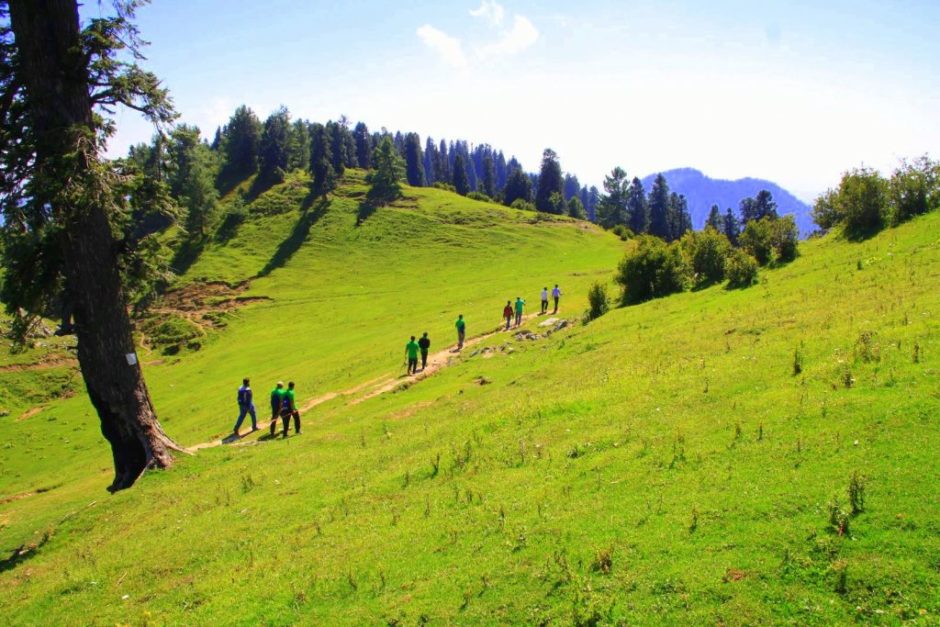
(544, 299)
(556, 294)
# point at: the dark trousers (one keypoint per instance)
(412, 365)
(556, 305)
(424, 359)
(242, 411)
(285, 416)
(275, 413)
(544, 306)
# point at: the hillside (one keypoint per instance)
(665, 463)
(702, 192)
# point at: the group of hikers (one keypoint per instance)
(283, 406)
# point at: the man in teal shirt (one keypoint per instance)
(461, 331)
(519, 305)
(411, 352)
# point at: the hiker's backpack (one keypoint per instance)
(243, 396)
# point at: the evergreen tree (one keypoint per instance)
(321, 160)
(499, 163)
(337, 134)
(241, 139)
(715, 219)
(64, 207)
(489, 177)
(387, 173)
(518, 186)
(576, 208)
(612, 208)
(572, 186)
(442, 165)
(659, 208)
(679, 218)
(638, 211)
(731, 227)
(590, 198)
(461, 182)
(550, 182)
(298, 146)
(430, 157)
(364, 146)
(192, 169)
(414, 161)
(273, 150)
(762, 206)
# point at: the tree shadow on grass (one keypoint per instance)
(366, 209)
(186, 255)
(312, 210)
(21, 554)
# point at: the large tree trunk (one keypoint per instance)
(55, 73)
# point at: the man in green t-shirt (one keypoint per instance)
(288, 409)
(411, 352)
(277, 398)
(520, 304)
(461, 331)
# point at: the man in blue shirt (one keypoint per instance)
(245, 406)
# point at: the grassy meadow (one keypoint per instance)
(683, 461)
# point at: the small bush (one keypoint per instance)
(479, 196)
(863, 200)
(445, 186)
(771, 240)
(522, 205)
(654, 269)
(598, 301)
(741, 269)
(707, 252)
(857, 493)
(622, 232)
(914, 189)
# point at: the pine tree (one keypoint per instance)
(679, 218)
(273, 149)
(430, 157)
(298, 146)
(364, 145)
(337, 134)
(501, 172)
(321, 160)
(442, 165)
(192, 169)
(387, 173)
(659, 208)
(550, 182)
(241, 139)
(638, 211)
(761, 206)
(612, 207)
(517, 187)
(489, 177)
(732, 228)
(461, 182)
(715, 220)
(414, 161)
(572, 186)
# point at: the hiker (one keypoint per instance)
(288, 409)
(461, 331)
(424, 344)
(411, 352)
(507, 313)
(544, 300)
(277, 397)
(245, 406)
(520, 304)
(556, 294)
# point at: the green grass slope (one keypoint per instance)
(664, 464)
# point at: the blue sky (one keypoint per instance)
(795, 92)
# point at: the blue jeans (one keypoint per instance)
(246, 409)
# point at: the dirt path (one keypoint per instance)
(374, 387)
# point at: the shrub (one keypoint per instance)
(622, 232)
(741, 269)
(914, 189)
(522, 205)
(784, 238)
(707, 252)
(653, 269)
(445, 186)
(479, 196)
(863, 200)
(826, 211)
(598, 301)
(771, 239)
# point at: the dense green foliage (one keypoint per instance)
(551, 183)
(770, 240)
(386, 175)
(653, 269)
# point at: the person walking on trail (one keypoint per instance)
(411, 352)
(277, 397)
(245, 406)
(544, 299)
(425, 345)
(288, 409)
(461, 331)
(556, 294)
(520, 304)
(507, 313)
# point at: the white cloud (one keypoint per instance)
(522, 35)
(490, 11)
(447, 48)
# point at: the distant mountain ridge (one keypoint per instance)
(701, 192)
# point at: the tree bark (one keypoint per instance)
(67, 168)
